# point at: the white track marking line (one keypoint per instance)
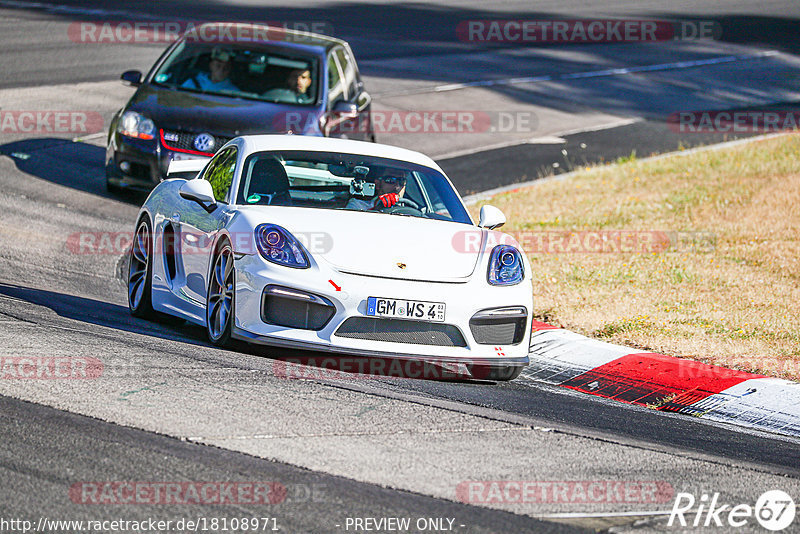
(82, 138)
(580, 515)
(600, 127)
(553, 139)
(620, 71)
(550, 140)
(610, 72)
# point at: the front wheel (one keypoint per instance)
(140, 272)
(220, 299)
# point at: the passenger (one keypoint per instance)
(298, 83)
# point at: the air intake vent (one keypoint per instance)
(283, 306)
(499, 326)
(400, 331)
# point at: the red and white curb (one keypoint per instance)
(666, 383)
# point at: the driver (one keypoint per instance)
(218, 76)
(390, 187)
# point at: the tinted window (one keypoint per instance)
(335, 88)
(349, 72)
(326, 180)
(251, 71)
(220, 173)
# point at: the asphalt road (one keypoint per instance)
(377, 447)
(67, 448)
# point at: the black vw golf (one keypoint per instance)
(221, 80)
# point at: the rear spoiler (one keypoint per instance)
(186, 166)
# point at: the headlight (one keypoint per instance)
(505, 266)
(133, 124)
(279, 246)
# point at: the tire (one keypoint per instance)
(140, 272)
(220, 298)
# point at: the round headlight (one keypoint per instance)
(277, 245)
(136, 125)
(273, 238)
(505, 266)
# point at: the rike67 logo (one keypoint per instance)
(774, 510)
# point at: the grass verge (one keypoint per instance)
(696, 256)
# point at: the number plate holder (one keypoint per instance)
(414, 310)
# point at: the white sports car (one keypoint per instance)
(336, 246)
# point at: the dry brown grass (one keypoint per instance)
(734, 304)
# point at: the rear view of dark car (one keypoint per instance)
(203, 92)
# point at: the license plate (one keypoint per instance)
(179, 156)
(406, 309)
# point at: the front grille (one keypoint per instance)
(286, 307)
(400, 331)
(185, 140)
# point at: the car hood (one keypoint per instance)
(221, 115)
(376, 244)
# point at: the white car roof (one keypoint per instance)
(259, 143)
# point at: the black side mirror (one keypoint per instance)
(131, 77)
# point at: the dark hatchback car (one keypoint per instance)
(202, 92)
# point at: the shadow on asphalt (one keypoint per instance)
(100, 313)
(296, 364)
(64, 162)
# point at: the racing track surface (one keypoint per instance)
(374, 447)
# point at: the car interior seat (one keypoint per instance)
(268, 179)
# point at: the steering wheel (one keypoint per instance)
(406, 202)
(401, 208)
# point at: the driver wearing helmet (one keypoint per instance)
(390, 186)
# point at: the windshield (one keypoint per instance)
(328, 180)
(248, 71)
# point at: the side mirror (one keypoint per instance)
(345, 110)
(491, 218)
(132, 78)
(201, 192)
